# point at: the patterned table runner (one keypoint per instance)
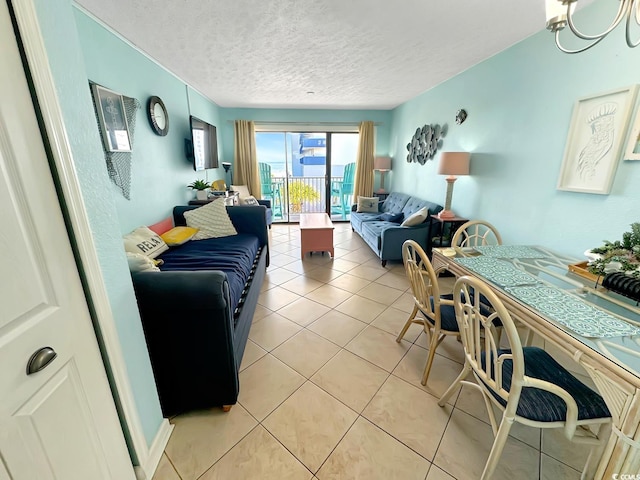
(500, 272)
(567, 310)
(509, 251)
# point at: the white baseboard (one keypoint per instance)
(150, 464)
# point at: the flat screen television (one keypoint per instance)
(204, 144)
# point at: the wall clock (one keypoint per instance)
(158, 116)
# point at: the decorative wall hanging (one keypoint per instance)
(595, 138)
(633, 144)
(461, 116)
(119, 162)
(425, 143)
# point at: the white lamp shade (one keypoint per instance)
(454, 163)
(382, 163)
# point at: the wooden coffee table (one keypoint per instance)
(316, 233)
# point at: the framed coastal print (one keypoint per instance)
(596, 134)
(112, 119)
(633, 144)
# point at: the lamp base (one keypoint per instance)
(446, 214)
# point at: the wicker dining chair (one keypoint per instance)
(527, 384)
(474, 234)
(437, 314)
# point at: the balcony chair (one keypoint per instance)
(270, 189)
(527, 384)
(343, 190)
(474, 234)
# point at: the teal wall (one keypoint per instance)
(519, 104)
(160, 170)
(67, 65)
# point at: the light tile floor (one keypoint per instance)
(327, 393)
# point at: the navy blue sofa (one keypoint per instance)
(197, 311)
(386, 238)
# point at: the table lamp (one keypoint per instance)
(382, 165)
(227, 167)
(452, 164)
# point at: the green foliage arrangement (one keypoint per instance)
(298, 193)
(198, 185)
(619, 256)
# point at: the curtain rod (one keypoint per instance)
(340, 124)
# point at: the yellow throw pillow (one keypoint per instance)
(178, 235)
(145, 241)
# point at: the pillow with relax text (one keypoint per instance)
(211, 220)
(417, 218)
(145, 241)
(367, 204)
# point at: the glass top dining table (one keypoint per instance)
(597, 328)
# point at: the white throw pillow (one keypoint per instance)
(367, 204)
(243, 192)
(417, 218)
(212, 221)
(250, 200)
(138, 262)
(145, 241)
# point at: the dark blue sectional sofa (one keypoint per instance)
(197, 311)
(386, 238)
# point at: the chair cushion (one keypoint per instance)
(542, 406)
(447, 315)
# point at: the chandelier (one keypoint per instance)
(560, 14)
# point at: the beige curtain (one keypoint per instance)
(364, 165)
(245, 161)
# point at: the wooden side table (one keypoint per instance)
(316, 233)
(441, 231)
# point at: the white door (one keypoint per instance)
(59, 422)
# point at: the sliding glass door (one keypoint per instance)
(306, 172)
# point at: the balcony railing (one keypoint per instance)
(295, 195)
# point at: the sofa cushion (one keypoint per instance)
(212, 221)
(392, 217)
(145, 241)
(178, 235)
(416, 218)
(232, 255)
(414, 204)
(394, 203)
(139, 262)
(367, 204)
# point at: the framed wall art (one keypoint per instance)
(593, 149)
(632, 151)
(112, 119)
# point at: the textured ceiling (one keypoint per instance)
(352, 54)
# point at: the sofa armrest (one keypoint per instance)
(189, 330)
(266, 203)
(393, 237)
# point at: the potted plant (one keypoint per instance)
(298, 193)
(200, 186)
